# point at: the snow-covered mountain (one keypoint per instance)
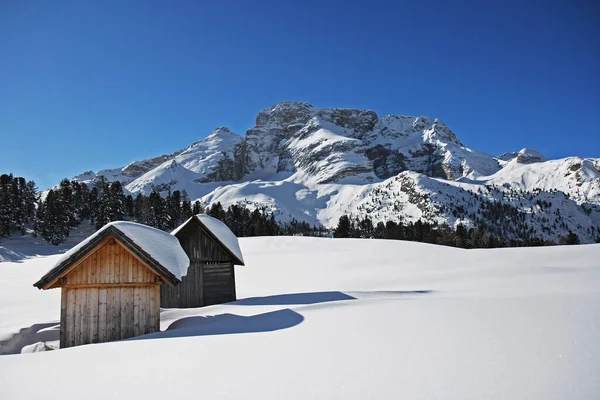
(318, 164)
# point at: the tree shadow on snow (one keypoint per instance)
(35, 333)
(227, 324)
(293, 299)
(20, 253)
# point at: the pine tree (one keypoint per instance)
(53, 219)
(344, 228)
(365, 228)
(31, 198)
(116, 202)
(157, 211)
(81, 195)
(173, 202)
(65, 192)
(5, 205)
(379, 231)
(186, 206)
(140, 209)
(129, 206)
(102, 212)
(461, 236)
(93, 204)
(197, 208)
(217, 211)
(572, 238)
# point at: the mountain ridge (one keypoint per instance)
(315, 165)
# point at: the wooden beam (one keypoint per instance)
(110, 285)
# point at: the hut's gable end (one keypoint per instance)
(110, 294)
(109, 263)
(199, 244)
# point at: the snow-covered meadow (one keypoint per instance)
(336, 318)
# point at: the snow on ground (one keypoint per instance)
(341, 319)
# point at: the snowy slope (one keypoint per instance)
(316, 164)
(196, 164)
(338, 319)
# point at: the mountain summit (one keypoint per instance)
(315, 165)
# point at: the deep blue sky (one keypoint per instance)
(96, 84)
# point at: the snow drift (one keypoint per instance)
(337, 319)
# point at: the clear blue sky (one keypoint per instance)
(96, 84)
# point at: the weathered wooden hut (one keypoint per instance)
(111, 282)
(213, 251)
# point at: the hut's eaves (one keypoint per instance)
(161, 246)
(221, 232)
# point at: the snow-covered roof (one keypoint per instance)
(162, 247)
(221, 232)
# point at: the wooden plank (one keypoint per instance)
(102, 320)
(109, 315)
(71, 315)
(93, 263)
(134, 267)
(143, 310)
(126, 312)
(117, 262)
(94, 311)
(78, 326)
(155, 304)
(233, 289)
(116, 316)
(130, 263)
(86, 316)
(63, 317)
(136, 311)
(112, 285)
(111, 262)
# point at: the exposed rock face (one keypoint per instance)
(292, 137)
(355, 121)
(528, 156)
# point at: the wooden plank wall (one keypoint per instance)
(210, 278)
(219, 283)
(111, 295)
(188, 293)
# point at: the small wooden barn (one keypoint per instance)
(111, 283)
(213, 251)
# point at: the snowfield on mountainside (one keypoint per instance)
(335, 319)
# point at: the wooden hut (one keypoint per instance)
(111, 282)
(213, 251)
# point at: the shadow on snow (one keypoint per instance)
(225, 324)
(47, 332)
(222, 324)
(294, 299)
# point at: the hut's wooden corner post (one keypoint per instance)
(63, 314)
(233, 285)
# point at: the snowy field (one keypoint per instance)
(335, 319)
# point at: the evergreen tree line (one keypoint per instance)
(443, 234)
(73, 203)
(18, 199)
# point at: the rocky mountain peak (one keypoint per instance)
(284, 114)
(528, 156)
(222, 130)
(359, 121)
